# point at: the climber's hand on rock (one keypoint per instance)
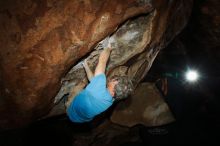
(104, 44)
(109, 48)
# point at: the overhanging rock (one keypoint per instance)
(136, 44)
(41, 40)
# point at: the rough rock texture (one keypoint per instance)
(136, 44)
(41, 40)
(145, 107)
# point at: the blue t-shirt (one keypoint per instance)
(91, 101)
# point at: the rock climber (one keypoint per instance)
(99, 94)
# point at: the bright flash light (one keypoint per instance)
(192, 76)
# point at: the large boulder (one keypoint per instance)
(145, 107)
(41, 40)
(136, 43)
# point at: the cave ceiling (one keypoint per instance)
(44, 42)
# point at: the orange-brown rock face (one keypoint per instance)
(41, 40)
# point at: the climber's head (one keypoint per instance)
(120, 87)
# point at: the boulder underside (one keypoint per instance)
(42, 40)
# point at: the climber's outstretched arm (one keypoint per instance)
(103, 59)
(89, 73)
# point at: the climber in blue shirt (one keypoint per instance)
(98, 95)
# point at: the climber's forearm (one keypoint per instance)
(89, 73)
(103, 59)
